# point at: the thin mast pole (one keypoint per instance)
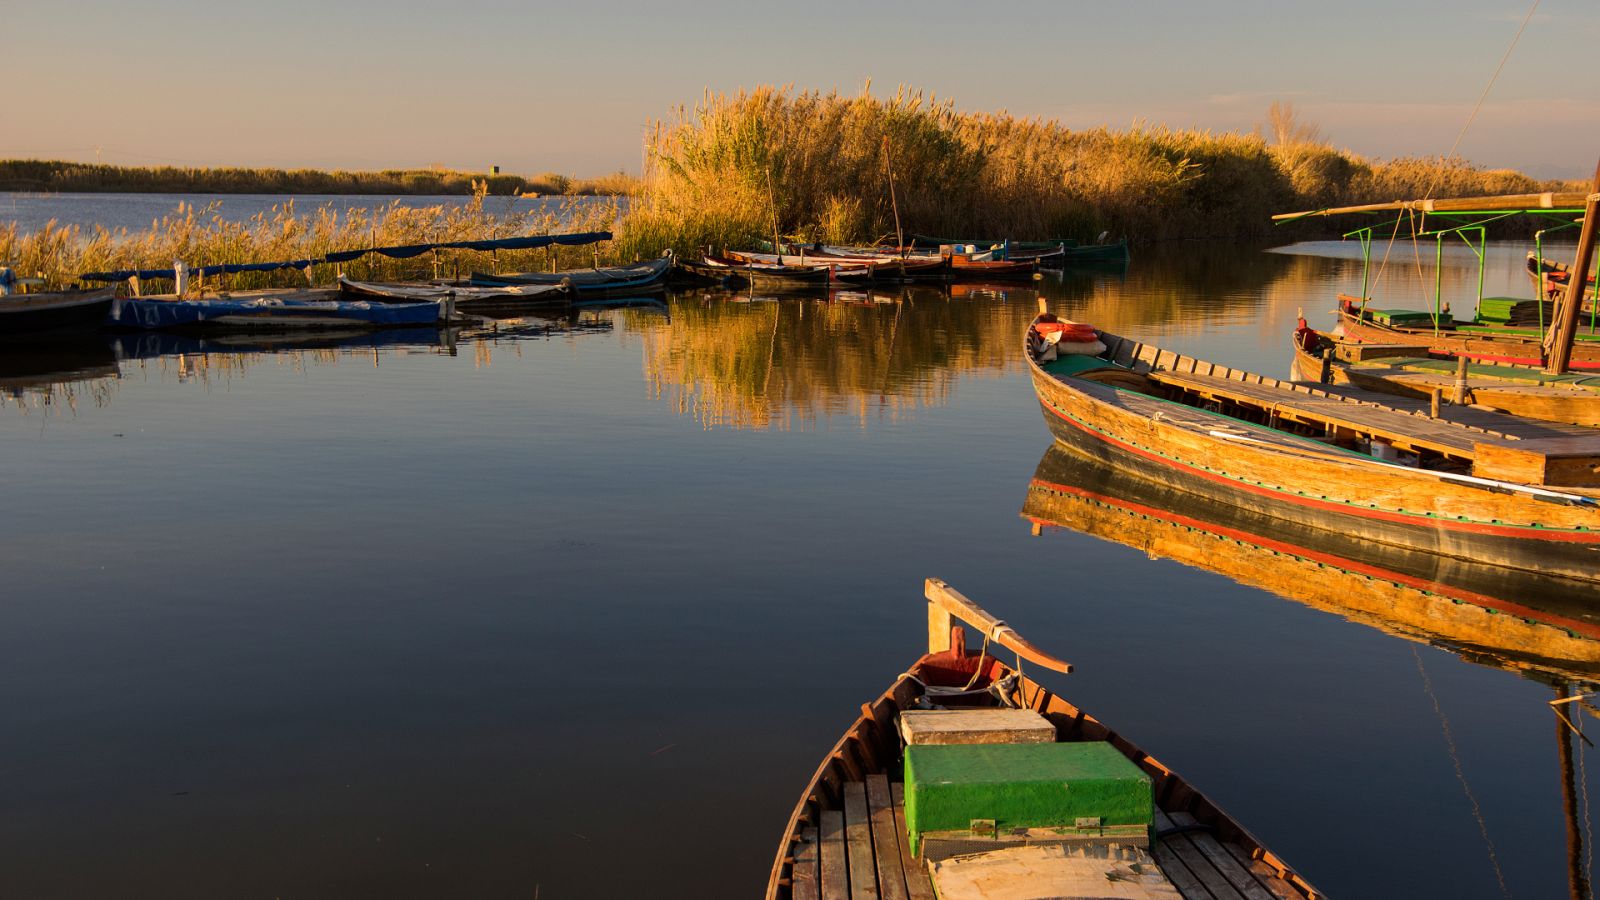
(888, 165)
(1564, 323)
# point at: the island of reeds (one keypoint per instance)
(737, 169)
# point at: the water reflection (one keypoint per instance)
(1541, 627)
(57, 372)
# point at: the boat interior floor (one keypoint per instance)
(861, 851)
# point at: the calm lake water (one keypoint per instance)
(577, 614)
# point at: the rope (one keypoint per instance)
(1455, 759)
(1459, 137)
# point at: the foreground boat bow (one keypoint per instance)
(854, 833)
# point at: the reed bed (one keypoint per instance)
(58, 175)
(201, 236)
(738, 168)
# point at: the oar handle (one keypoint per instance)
(946, 602)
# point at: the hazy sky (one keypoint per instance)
(568, 87)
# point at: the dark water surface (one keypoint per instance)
(578, 615)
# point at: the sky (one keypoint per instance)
(569, 87)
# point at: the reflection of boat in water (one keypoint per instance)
(39, 365)
(1543, 626)
(153, 344)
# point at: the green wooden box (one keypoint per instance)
(1402, 317)
(1022, 786)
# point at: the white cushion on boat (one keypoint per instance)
(1041, 872)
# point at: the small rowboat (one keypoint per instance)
(863, 828)
(625, 280)
(54, 311)
(1549, 277)
(857, 271)
(463, 294)
(886, 266)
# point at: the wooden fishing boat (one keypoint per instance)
(1473, 484)
(867, 822)
(28, 314)
(964, 267)
(272, 309)
(1571, 398)
(1503, 330)
(464, 295)
(632, 279)
(858, 271)
(1550, 277)
(1056, 253)
(886, 266)
(1540, 626)
(771, 277)
(1480, 341)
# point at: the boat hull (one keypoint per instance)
(30, 314)
(1390, 504)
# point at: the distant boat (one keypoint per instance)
(463, 294)
(630, 279)
(968, 778)
(1050, 254)
(54, 311)
(271, 310)
(769, 277)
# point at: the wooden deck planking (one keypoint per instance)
(832, 870)
(1228, 867)
(918, 882)
(858, 843)
(1178, 873)
(885, 843)
(1264, 874)
(805, 885)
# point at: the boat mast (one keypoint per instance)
(1564, 324)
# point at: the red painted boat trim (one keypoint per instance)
(1328, 559)
(1523, 532)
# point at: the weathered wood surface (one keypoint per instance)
(806, 885)
(975, 726)
(885, 840)
(956, 604)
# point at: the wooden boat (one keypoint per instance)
(1056, 253)
(1409, 371)
(27, 314)
(857, 271)
(850, 834)
(1502, 330)
(632, 279)
(464, 295)
(1550, 277)
(271, 309)
(886, 266)
(1542, 627)
(1472, 484)
(768, 277)
(1479, 341)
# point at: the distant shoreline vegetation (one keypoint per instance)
(736, 168)
(63, 176)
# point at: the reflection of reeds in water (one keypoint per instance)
(96, 390)
(772, 365)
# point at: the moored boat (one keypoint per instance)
(630, 279)
(976, 794)
(27, 314)
(463, 294)
(1403, 370)
(271, 310)
(770, 276)
(1472, 484)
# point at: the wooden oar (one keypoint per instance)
(945, 601)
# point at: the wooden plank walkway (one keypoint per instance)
(862, 852)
